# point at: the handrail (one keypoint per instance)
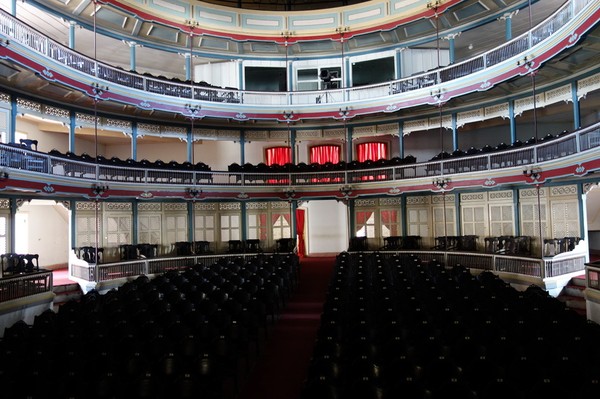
(18, 157)
(16, 30)
(25, 284)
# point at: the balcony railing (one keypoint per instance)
(19, 157)
(15, 30)
(24, 285)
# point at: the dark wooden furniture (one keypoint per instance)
(358, 244)
(285, 245)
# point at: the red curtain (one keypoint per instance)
(371, 151)
(262, 226)
(325, 153)
(278, 155)
(390, 219)
(300, 231)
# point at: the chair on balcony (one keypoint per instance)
(88, 254)
(201, 247)
(128, 252)
(29, 143)
(12, 263)
(235, 247)
(285, 245)
(252, 246)
(147, 250)
(183, 248)
(31, 262)
(358, 244)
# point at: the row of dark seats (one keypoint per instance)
(458, 153)
(13, 263)
(303, 167)
(394, 326)
(189, 334)
(132, 163)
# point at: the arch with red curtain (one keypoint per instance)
(371, 151)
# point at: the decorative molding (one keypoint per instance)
(118, 124)
(256, 135)
(205, 206)
(418, 200)
(500, 195)
(365, 203)
(526, 104)
(584, 86)
(396, 201)
(531, 193)
(413, 126)
(334, 134)
(175, 206)
(149, 207)
(562, 93)
(279, 205)
(475, 115)
(388, 128)
(257, 205)
(230, 206)
(87, 206)
(497, 111)
(561, 191)
(4, 203)
(279, 135)
(29, 105)
(476, 197)
(58, 113)
(441, 199)
(310, 134)
(118, 206)
(5, 98)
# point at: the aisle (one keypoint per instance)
(281, 370)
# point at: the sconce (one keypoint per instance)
(441, 182)
(99, 189)
(192, 23)
(290, 193)
(98, 89)
(434, 5)
(193, 109)
(193, 192)
(346, 191)
(288, 116)
(533, 172)
(344, 113)
(437, 95)
(4, 42)
(342, 29)
(527, 61)
(3, 174)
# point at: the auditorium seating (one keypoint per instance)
(190, 334)
(393, 326)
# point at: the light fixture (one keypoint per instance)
(346, 191)
(3, 174)
(99, 189)
(289, 193)
(193, 192)
(533, 172)
(441, 183)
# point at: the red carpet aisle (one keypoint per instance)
(281, 369)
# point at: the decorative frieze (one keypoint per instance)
(334, 133)
(282, 135)
(175, 206)
(309, 134)
(586, 85)
(497, 111)
(472, 197)
(229, 206)
(562, 191)
(149, 207)
(388, 128)
(279, 205)
(476, 115)
(257, 205)
(118, 206)
(395, 201)
(414, 126)
(359, 203)
(56, 113)
(118, 124)
(418, 200)
(205, 206)
(531, 193)
(441, 199)
(29, 105)
(4, 203)
(500, 195)
(256, 135)
(562, 93)
(87, 206)
(5, 98)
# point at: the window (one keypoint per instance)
(325, 153)
(365, 224)
(230, 227)
(278, 155)
(530, 225)
(565, 218)
(390, 225)
(281, 226)
(319, 78)
(441, 226)
(418, 222)
(176, 230)
(501, 220)
(257, 226)
(85, 231)
(118, 230)
(204, 228)
(3, 234)
(474, 220)
(371, 151)
(149, 229)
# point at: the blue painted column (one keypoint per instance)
(452, 46)
(581, 200)
(73, 225)
(398, 63)
(454, 132)
(12, 128)
(132, 57)
(13, 8)
(242, 147)
(241, 75)
(72, 127)
(244, 220)
(349, 149)
(403, 215)
(293, 145)
(12, 227)
(401, 139)
(134, 132)
(516, 212)
(290, 76)
(135, 225)
(188, 66)
(351, 224)
(512, 121)
(190, 145)
(72, 25)
(508, 24)
(191, 220)
(576, 109)
(457, 217)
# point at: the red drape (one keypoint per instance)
(325, 153)
(262, 226)
(300, 231)
(371, 151)
(390, 219)
(278, 155)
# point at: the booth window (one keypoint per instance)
(371, 151)
(278, 155)
(325, 153)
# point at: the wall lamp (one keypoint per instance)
(99, 189)
(346, 191)
(193, 192)
(98, 89)
(3, 174)
(290, 193)
(441, 182)
(193, 109)
(533, 172)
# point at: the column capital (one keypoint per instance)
(451, 36)
(508, 15)
(131, 43)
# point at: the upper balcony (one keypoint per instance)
(92, 83)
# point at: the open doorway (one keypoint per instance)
(326, 227)
(42, 227)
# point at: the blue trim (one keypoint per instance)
(349, 149)
(457, 214)
(13, 119)
(132, 57)
(351, 223)
(190, 216)
(136, 219)
(244, 221)
(398, 64)
(73, 207)
(72, 36)
(188, 67)
(512, 120)
(12, 228)
(401, 139)
(516, 211)
(190, 145)
(293, 144)
(454, 132)
(72, 127)
(452, 50)
(134, 131)
(576, 107)
(13, 8)
(582, 212)
(294, 207)
(242, 147)
(403, 224)
(508, 29)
